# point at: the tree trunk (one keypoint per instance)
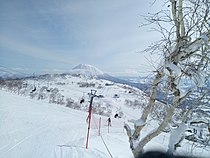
(139, 149)
(148, 108)
(181, 19)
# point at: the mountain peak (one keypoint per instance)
(87, 70)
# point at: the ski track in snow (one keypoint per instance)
(40, 130)
(78, 152)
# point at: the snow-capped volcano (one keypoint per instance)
(87, 70)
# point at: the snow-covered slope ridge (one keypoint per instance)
(87, 70)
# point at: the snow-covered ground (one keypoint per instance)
(36, 128)
(31, 128)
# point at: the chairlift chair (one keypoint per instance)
(33, 90)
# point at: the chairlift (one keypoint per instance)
(82, 100)
(33, 90)
(116, 115)
(48, 90)
(116, 96)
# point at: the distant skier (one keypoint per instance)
(109, 121)
(33, 90)
(116, 115)
(82, 100)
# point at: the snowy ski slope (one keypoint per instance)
(31, 128)
(36, 129)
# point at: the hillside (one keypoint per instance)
(34, 129)
(49, 120)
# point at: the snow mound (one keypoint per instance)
(87, 70)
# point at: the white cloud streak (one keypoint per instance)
(30, 50)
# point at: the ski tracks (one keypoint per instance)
(76, 148)
(78, 152)
(40, 130)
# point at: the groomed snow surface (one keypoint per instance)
(33, 129)
(36, 129)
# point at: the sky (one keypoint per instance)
(53, 36)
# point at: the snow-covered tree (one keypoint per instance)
(53, 95)
(185, 48)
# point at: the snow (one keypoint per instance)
(194, 46)
(34, 128)
(31, 128)
(197, 77)
(176, 135)
(139, 122)
(174, 68)
(205, 39)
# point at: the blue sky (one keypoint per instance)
(46, 36)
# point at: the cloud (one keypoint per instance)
(66, 33)
(30, 50)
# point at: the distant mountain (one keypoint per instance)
(86, 70)
(10, 76)
(143, 87)
(90, 71)
(11, 73)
